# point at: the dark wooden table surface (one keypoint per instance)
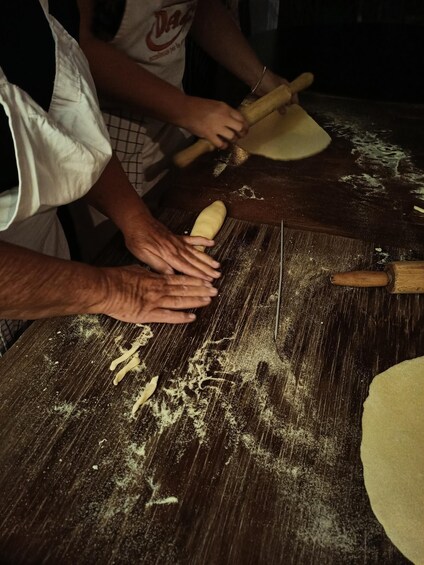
(364, 185)
(248, 453)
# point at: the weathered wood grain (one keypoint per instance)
(245, 455)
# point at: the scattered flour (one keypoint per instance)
(154, 500)
(247, 193)
(382, 160)
(190, 394)
(146, 334)
(239, 385)
(122, 500)
(383, 257)
(87, 326)
(64, 409)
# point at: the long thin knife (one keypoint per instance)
(280, 282)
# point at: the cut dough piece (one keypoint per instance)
(294, 135)
(126, 355)
(209, 221)
(146, 393)
(392, 453)
(132, 364)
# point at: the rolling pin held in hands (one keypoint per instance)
(399, 277)
(253, 113)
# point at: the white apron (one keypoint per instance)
(153, 34)
(60, 153)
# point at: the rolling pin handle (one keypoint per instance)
(360, 278)
(302, 82)
(185, 157)
(275, 99)
(399, 277)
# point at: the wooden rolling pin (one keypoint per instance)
(253, 113)
(400, 277)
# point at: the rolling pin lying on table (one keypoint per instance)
(400, 277)
(253, 113)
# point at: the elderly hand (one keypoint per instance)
(134, 294)
(151, 242)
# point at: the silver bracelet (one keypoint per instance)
(259, 81)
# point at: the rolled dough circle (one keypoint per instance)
(290, 136)
(392, 453)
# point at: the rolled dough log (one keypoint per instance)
(145, 394)
(209, 221)
(132, 364)
(294, 135)
(126, 355)
(392, 453)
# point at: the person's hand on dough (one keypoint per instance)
(134, 294)
(213, 120)
(164, 252)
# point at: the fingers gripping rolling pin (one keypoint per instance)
(253, 113)
(400, 277)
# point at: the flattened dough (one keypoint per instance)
(392, 453)
(288, 137)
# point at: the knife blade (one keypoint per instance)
(280, 282)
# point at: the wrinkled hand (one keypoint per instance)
(215, 121)
(134, 294)
(151, 242)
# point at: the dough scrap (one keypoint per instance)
(294, 135)
(146, 393)
(126, 355)
(132, 364)
(392, 453)
(209, 221)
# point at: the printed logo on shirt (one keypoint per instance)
(168, 25)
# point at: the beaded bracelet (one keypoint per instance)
(259, 81)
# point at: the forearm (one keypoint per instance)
(38, 286)
(115, 197)
(216, 32)
(123, 82)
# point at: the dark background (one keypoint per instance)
(372, 49)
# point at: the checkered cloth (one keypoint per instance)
(128, 139)
(144, 146)
(10, 330)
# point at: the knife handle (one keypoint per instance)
(252, 113)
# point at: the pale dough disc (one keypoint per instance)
(392, 453)
(294, 135)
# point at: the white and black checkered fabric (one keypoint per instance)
(10, 330)
(128, 138)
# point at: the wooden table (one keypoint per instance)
(248, 453)
(364, 185)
